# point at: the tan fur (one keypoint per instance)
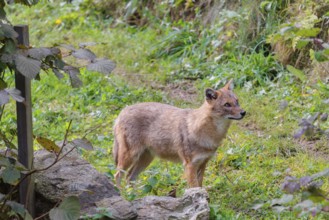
(191, 136)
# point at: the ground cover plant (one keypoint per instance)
(276, 52)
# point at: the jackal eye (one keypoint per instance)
(227, 104)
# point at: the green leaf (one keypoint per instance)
(320, 56)
(83, 143)
(27, 216)
(20, 210)
(9, 161)
(147, 188)
(102, 212)
(3, 67)
(59, 63)
(102, 65)
(3, 84)
(265, 5)
(10, 46)
(54, 61)
(69, 209)
(153, 181)
(317, 195)
(27, 66)
(2, 35)
(27, 2)
(10, 175)
(298, 73)
(311, 32)
(4, 161)
(2, 14)
(302, 43)
(326, 52)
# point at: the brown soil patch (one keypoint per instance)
(316, 148)
(180, 91)
(132, 78)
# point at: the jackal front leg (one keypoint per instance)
(201, 170)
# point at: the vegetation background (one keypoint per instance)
(169, 51)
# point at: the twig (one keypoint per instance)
(55, 161)
(65, 139)
(93, 129)
(8, 143)
(227, 176)
(2, 110)
(44, 214)
(41, 216)
(58, 158)
(228, 179)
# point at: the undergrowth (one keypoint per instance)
(258, 152)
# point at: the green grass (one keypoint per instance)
(252, 162)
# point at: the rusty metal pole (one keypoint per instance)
(24, 127)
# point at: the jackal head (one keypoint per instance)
(224, 103)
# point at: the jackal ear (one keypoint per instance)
(211, 94)
(229, 85)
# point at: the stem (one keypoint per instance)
(8, 143)
(228, 179)
(44, 214)
(1, 111)
(4, 200)
(65, 139)
(57, 158)
(92, 129)
(41, 216)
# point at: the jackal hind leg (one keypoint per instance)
(125, 160)
(139, 165)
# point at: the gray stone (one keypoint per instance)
(70, 176)
(193, 205)
(118, 207)
(75, 176)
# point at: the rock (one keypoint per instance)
(75, 176)
(70, 176)
(193, 206)
(118, 207)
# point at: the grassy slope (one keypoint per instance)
(250, 165)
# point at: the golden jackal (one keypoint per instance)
(143, 131)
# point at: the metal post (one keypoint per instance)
(24, 127)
